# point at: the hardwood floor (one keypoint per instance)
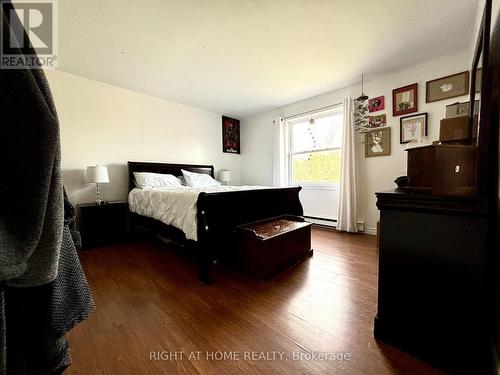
(149, 300)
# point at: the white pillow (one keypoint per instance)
(199, 180)
(155, 180)
(182, 180)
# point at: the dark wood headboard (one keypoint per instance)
(167, 168)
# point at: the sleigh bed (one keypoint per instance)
(217, 213)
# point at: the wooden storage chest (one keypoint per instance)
(269, 246)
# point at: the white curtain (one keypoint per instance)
(279, 159)
(347, 219)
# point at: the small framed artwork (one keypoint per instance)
(460, 109)
(376, 104)
(412, 127)
(405, 100)
(447, 87)
(230, 135)
(378, 142)
(377, 121)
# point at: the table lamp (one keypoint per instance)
(97, 175)
(224, 176)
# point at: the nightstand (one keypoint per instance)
(102, 225)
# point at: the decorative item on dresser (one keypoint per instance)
(102, 224)
(461, 109)
(97, 175)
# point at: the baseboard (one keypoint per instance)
(322, 222)
(370, 230)
(362, 228)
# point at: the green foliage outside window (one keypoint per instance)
(322, 166)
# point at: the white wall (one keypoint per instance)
(376, 173)
(107, 125)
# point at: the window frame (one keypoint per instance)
(323, 185)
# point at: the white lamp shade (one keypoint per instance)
(224, 175)
(97, 174)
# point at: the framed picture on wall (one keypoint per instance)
(376, 104)
(377, 121)
(461, 109)
(412, 127)
(447, 87)
(230, 135)
(405, 100)
(378, 142)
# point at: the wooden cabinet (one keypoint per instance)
(102, 225)
(435, 292)
(443, 169)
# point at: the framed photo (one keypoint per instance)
(230, 135)
(447, 87)
(412, 127)
(460, 109)
(377, 121)
(378, 142)
(376, 104)
(405, 100)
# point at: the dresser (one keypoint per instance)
(435, 293)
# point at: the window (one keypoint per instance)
(315, 148)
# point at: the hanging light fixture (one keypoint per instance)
(362, 97)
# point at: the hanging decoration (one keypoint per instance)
(360, 115)
(362, 97)
(311, 129)
(311, 126)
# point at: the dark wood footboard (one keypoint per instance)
(220, 213)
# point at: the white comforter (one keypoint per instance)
(175, 207)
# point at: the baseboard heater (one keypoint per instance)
(332, 223)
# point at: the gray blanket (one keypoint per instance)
(31, 196)
(43, 290)
(38, 318)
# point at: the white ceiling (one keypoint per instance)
(239, 57)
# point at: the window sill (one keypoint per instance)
(320, 187)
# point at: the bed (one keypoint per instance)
(218, 213)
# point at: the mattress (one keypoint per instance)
(175, 206)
